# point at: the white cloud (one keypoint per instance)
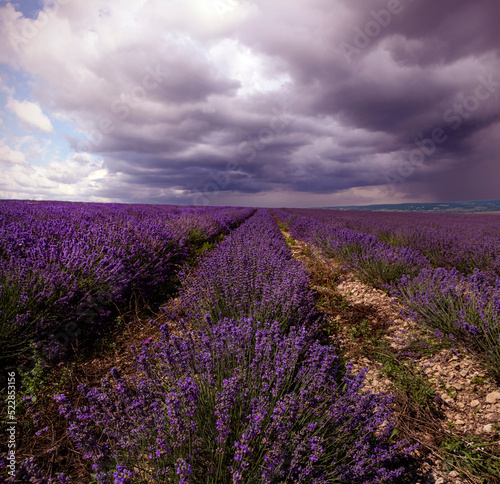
(77, 177)
(8, 156)
(31, 114)
(250, 68)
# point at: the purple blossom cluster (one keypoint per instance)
(251, 273)
(28, 471)
(238, 401)
(64, 266)
(464, 308)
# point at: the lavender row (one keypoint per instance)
(251, 273)
(464, 309)
(462, 241)
(240, 401)
(375, 262)
(64, 266)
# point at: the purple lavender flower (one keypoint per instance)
(460, 308)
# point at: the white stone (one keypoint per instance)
(492, 397)
(474, 403)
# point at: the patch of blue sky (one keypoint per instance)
(29, 8)
(16, 83)
(64, 131)
(12, 125)
(55, 145)
(40, 148)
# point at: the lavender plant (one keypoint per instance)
(375, 262)
(383, 264)
(462, 308)
(28, 471)
(239, 401)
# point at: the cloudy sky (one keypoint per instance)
(250, 102)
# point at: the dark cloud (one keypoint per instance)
(314, 98)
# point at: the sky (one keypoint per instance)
(302, 103)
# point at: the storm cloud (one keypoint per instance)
(303, 103)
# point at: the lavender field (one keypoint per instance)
(444, 269)
(65, 267)
(241, 378)
(465, 242)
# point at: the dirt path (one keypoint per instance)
(443, 398)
